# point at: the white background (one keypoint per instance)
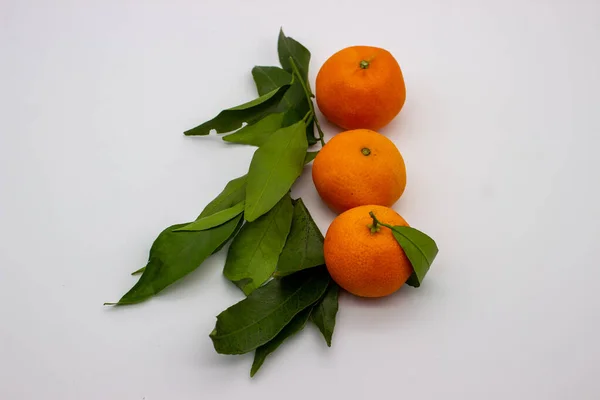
(500, 134)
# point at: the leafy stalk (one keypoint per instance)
(309, 99)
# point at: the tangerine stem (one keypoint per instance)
(308, 95)
(376, 222)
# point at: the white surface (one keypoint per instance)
(500, 134)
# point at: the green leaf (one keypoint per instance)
(234, 193)
(275, 166)
(310, 133)
(294, 103)
(216, 219)
(288, 47)
(311, 155)
(260, 317)
(268, 79)
(256, 134)
(295, 326)
(420, 250)
(139, 271)
(174, 255)
(325, 310)
(304, 246)
(233, 118)
(233, 234)
(254, 252)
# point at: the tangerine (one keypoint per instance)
(360, 87)
(366, 263)
(359, 167)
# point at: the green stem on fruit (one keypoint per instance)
(309, 97)
(375, 226)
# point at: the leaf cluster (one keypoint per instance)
(271, 234)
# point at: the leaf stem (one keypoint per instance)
(307, 117)
(321, 134)
(309, 96)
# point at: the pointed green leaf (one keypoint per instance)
(234, 193)
(260, 317)
(288, 47)
(294, 103)
(295, 326)
(233, 118)
(420, 250)
(268, 79)
(256, 134)
(311, 155)
(254, 252)
(274, 168)
(174, 255)
(213, 220)
(304, 246)
(325, 310)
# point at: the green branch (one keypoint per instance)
(309, 96)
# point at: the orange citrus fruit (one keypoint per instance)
(360, 87)
(366, 263)
(359, 167)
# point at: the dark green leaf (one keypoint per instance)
(311, 155)
(175, 254)
(233, 118)
(294, 103)
(420, 250)
(268, 79)
(288, 47)
(310, 133)
(295, 326)
(294, 100)
(256, 134)
(254, 252)
(304, 246)
(325, 310)
(274, 168)
(216, 219)
(258, 318)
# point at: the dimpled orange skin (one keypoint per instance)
(347, 178)
(366, 264)
(353, 97)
